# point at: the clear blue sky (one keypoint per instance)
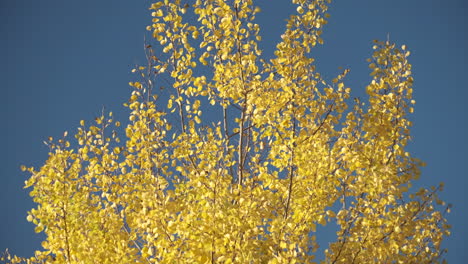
(63, 60)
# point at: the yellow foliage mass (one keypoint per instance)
(286, 153)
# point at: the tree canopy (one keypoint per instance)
(229, 157)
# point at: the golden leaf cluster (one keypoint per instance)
(232, 158)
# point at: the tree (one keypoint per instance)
(281, 153)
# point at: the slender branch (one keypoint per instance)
(225, 122)
(291, 165)
(291, 173)
(67, 243)
(245, 129)
(240, 170)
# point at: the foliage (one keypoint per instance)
(277, 153)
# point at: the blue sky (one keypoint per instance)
(63, 60)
